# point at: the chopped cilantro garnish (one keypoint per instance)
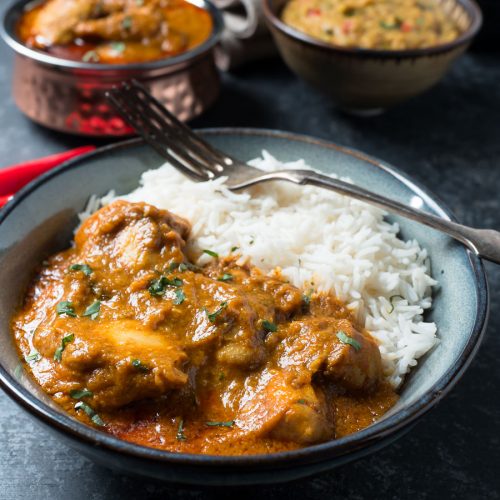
(345, 339)
(269, 326)
(93, 310)
(179, 297)
(96, 419)
(84, 268)
(67, 308)
(180, 436)
(229, 423)
(69, 337)
(118, 47)
(226, 277)
(33, 356)
(136, 363)
(157, 287)
(213, 316)
(80, 393)
(212, 254)
(90, 56)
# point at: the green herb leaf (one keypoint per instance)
(127, 23)
(222, 376)
(269, 326)
(90, 56)
(157, 287)
(391, 26)
(226, 277)
(182, 267)
(33, 356)
(215, 255)
(301, 401)
(84, 268)
(69, 337)
(136, 363)
(229, 423)
(233, 249)
(67, 308)
(93, 310)
(213, 316)
(345, 339)
(391, 300)
(90, 413)
(173, 266)
(306, 298)
(180, 436)
(179, 297)
(80, 393)
(118, 47)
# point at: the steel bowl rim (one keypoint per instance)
(470, 6)
(309, 455)
(8, 35)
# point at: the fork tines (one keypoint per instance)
(166, 134)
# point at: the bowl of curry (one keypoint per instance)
(68, 54)
(148, 362)
(368, 56)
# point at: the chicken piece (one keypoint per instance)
(119, 362)
(278, 407)
(124, 239)
(318, 345)
(56, 20)
(131, 24)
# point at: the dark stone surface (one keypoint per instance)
(449, 140)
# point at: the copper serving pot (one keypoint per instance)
(69, 95)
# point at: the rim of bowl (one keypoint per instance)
(470, 6)
(11, 16)
(311, 454)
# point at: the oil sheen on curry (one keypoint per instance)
(126, 334)
(114, 31)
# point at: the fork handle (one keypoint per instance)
(483, 242)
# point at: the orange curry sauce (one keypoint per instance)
(126, 334)
(115, 31)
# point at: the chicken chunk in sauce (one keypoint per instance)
(114, 31)
(221, 359)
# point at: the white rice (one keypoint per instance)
(320, 240)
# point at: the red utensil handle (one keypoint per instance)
(14, 178)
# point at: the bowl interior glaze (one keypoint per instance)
(41, 219)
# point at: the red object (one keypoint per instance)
(15, 177)
(406, 27)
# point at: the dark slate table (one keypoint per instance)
(449, 140)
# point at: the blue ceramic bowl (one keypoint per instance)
(41, 219)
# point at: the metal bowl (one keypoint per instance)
(69, 96)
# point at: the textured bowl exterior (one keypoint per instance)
(41, 219)
(70, 97)
(363, 80)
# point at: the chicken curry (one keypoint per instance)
(115, 31)
(126, 334)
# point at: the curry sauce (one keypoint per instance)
(115, 31)
(373, 24)
(127, 334)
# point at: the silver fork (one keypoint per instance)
(200, 161)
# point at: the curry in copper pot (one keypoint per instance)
(115, 31)
(126, 334)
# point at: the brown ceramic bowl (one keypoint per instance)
(366, 81)
(69, 96)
